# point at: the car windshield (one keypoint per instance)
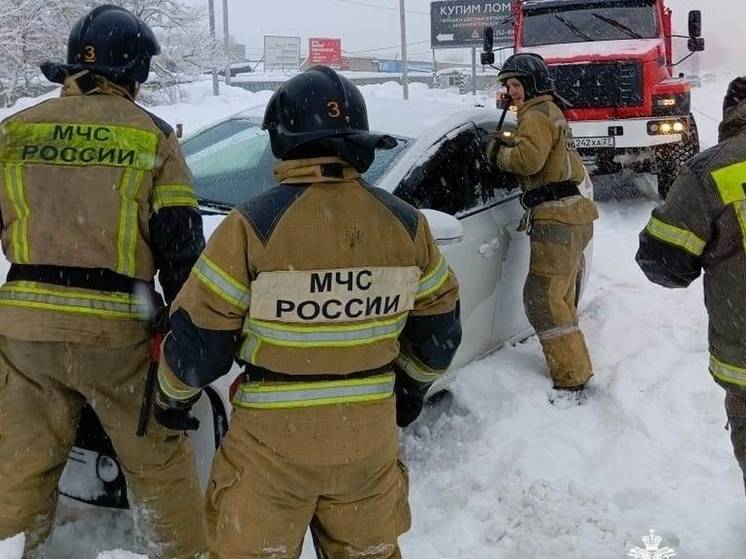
(605, 21)
(232, 162)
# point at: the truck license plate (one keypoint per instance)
(595, 142)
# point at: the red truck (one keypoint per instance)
(612, 60)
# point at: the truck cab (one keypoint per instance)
(612, 61)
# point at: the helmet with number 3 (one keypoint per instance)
(109, 41)
(316, 105)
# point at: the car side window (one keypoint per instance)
(454, 179)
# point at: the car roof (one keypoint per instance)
(403, 119)
(424, 125)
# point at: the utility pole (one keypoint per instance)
(404, 59)
(215, 83)
(227, 43)
(474, 70)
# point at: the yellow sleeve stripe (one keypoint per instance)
(727, 372)
(676, 236)
(434, 280)
(417, 370)
(173, 195)
(222, 284)
(172, 385)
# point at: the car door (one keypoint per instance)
(450, 179)
(509, 320)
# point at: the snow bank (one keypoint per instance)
(12, 548)
(200, 107)
(505, 474)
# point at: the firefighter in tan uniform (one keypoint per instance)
(338, 303)
(95, 198)
(702, 226)
(559, 220)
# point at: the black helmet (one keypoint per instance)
(317, 105)
(109, 41)
(531, 70)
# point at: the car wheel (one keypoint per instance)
(670, 158)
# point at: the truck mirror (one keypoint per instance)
(696, 44)
(695, 24)
(487, 57)
(489, 40)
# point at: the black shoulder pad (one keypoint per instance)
(265, 211)
(162, 125)
(406, 214)
(700, 163)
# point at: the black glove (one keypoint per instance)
(174, 414)
(410, 399)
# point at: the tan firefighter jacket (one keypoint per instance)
(321, 279)
(540, 153)
(702, 226)
(94, 194)
(541, 150)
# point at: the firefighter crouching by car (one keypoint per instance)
(95, 198)
(559, 220)
(702, 226)
(312, 287)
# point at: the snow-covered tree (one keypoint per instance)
(32, 31)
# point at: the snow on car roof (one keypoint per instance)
(406, 119)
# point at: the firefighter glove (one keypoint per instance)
(175, 414)
(494, 143)
(410, 399)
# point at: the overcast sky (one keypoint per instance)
(363, 27)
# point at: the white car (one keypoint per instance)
(473, 210)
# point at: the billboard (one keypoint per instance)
(325, 51)
(281, 52)
(461, 23)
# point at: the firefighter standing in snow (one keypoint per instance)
(702, 226)
(559, 219)
(312, 287)
(95, 198)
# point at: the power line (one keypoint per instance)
(386, 48)
(378, 6)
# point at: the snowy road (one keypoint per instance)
(499, 473)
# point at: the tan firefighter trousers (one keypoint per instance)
(43, 387)
(549, 298)
(334, 467)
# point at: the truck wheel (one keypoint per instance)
(671, 157)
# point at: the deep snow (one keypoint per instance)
(499, 473)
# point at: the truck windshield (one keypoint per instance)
(598, 21)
